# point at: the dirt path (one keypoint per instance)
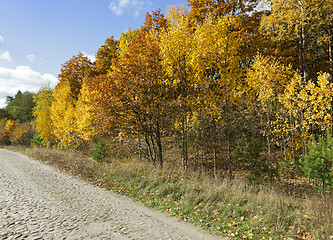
(38, 201)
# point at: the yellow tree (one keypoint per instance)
(63, 117)
(66, 93)
(215, 61)
(319, 111)
(268, 79)
(84, 125)
(176, 48)
(42, 114)
(300, 32)
(289, 125)
(306, 109)
(322, 26)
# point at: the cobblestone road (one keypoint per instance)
(38, 201)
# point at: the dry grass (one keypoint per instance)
(236, 209)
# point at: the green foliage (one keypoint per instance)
(37, 140)
(318, 163)
(100, 151)
(20, 107)
(249, 150)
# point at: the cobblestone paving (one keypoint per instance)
(38, 201)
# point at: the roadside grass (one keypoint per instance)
(238, 210)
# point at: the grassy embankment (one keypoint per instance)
(239, 210)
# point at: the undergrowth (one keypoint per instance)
(235, 209)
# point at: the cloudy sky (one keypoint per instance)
(37, 36)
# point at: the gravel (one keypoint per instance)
(38, 201)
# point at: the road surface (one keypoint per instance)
(38, 201)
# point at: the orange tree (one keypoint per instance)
(133, 97)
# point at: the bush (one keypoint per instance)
(8, 131)
(37, 140)
(21, 134)
(318, 163)
(100, 151)
(15, 133)
(3, 122)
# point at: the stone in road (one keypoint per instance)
(38, 201)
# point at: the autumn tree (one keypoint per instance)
(246, 13)
(42, 114)
(140, 86)
(132, 98)
(66, 94)
(73, 72)
(215, 61)
(101, 94)
(300, 34)
(267, 79)
(200, 9)
(85, 127)
(176, 48)
(105, 55)
(318, 114)
(63, 117)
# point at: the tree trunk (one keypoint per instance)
(302, 48)
(159, 145)
(139, 146)
(330, 53)
(229, 156)
(268, 141)
(150, 151)
(215, 168)
(184, 143)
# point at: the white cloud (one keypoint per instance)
(118, 7)
(5, 56)
(31, 58)
(2, 40)
(91, 57)
(22, 78)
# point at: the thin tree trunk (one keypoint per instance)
(159, 145)
(139, 146)
(330, 56)
(150, 152)
(268, 141)
(215, 168)
(184, 144)
(302, 43)
(229, 157)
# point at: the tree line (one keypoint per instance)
(226, 85)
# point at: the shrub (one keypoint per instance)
(37, 140)
(318, 163)
(3, 122)
(21, 134)
(100, 151)
(8, 131)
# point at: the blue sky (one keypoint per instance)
(37, 36)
